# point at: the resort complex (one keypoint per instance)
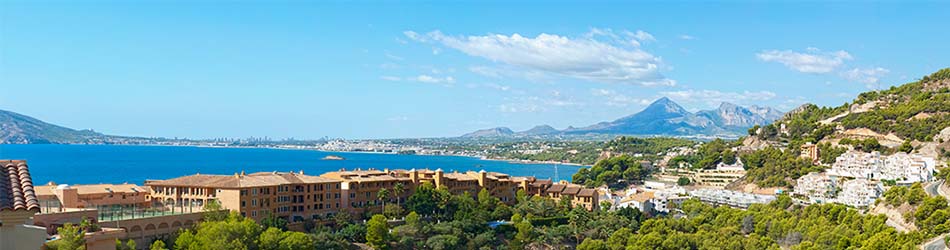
(857, 178)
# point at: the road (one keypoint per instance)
(935, 244)
(933, 189)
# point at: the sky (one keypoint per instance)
(431, 69)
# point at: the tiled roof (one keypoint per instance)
(571, 190)
(47, 190)
(556, 188)
(587, 192)
(16, 187)
(261, 179)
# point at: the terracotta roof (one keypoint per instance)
(47, 190)
(540, 183)
(556, 188)
(261, 179)
(573, 190)
(460, 177)
(16, 187)
(587, 192)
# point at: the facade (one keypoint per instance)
(720, 176)
(860, 193)
(818, 187)
(579, 196)
(900, 167)
(856, 164)
(360, 188)
(59, 198)
(810, 151)
(292, 196)
(666, 201)
(639, 200)
(18, 204)
(730, 198)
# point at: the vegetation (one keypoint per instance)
(900, 104)
(773, 167)
(930, 214)
(616, 171)
(586, 152)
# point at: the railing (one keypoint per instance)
(110, 213)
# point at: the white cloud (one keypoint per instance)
(586, 58)
(391, 78)
(434, 79)
(687, 37)
(612, 98)
(537, 103)
(397, 118)
(812, 60)
(393, 57)
(715, 97)
(868, 75)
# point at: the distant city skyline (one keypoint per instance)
(391, 70)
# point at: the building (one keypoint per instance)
(902, 168)
(360, 188)
(579, 196)
(908, 168)
(860, 193)
(638, 200)
(18, 204)
(730, 198)
(666, 201)
(720, 176)
(818, 187)
(60, 198)
(857, 164)
(295, 197)
(810, 151)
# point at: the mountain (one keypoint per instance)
(540, 130)
(666, 117)
(491, 132)
(21, 129)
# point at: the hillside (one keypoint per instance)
(663, 117)
(913, 117)
(21, 129)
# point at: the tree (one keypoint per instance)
(235, 232)
(423, 200)
(71, 237)
(682, 181)
(398, 190)
(382, 195)
(377, 232)
(442, 242)
(158, 245)
(906, 147)
(271, 220)
(213, 211)
(592, 244)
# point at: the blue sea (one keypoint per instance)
(91, 164)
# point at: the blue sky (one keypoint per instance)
(423, 69)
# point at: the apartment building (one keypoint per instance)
(860, 193)
(292, 196)
(579, 196)
(818, 187)
(857, 164)
(360, 188)
(903, 168)
(730, 198)
(809, 151)
(720, 176)
(60, 198)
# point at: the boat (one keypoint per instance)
(333, 158)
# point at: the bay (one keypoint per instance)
(92, 164)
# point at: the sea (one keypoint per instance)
(94, 164)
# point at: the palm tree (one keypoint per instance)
(398, 189)
(383, 195)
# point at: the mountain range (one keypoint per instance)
(662, 117)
